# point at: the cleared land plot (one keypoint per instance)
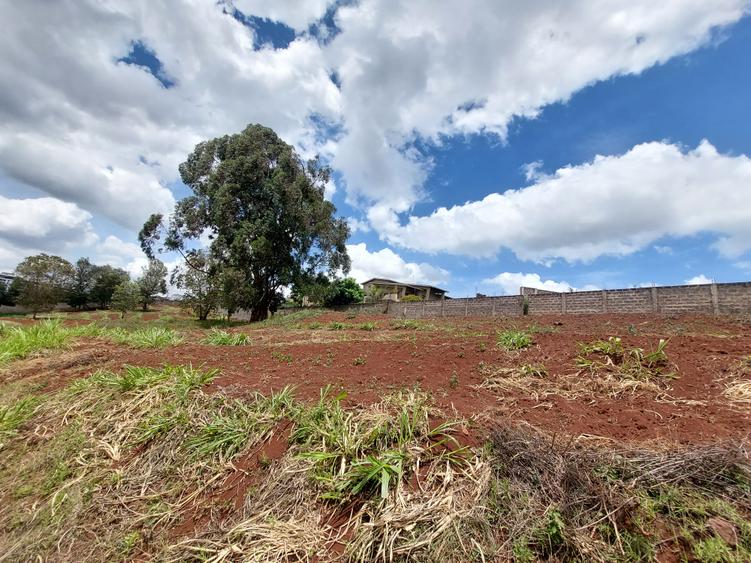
(455, 439)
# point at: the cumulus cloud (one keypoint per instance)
(44, 224)
(613, 205)
(422, 72)
(81, 124)
(298, 15)
(701, 279)
(510, 282)
(386, 263)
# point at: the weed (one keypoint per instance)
(282, 357)
(514, 339)
(358, 361)
(336, 325)
(224, 338)
(454, 380)
(151, 337)
(14, 415)
(21, 341)
(369, 326)
(634, 363)
(407, 324)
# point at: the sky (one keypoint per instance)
(478, 146)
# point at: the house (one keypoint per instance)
(6, 278)
(380, 288)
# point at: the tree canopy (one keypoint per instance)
(153, 282)
(265, 211)
(45, 279)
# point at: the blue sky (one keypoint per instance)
(597, 145)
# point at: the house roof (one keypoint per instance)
(385, 281)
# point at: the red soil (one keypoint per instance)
(444, 360)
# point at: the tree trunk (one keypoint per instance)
(259, 313)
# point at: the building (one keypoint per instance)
(6, 278)
(383, 289)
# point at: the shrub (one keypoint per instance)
(411, 298)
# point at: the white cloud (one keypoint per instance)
(44, 224)
(104, 135)
(80, 126)
(660, 249)
(297, 15)
(357, 226)
(386, 263)
(425, 71)
(510, 282)
(701, 279)
(613, 205)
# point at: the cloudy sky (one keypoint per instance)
(477, 146)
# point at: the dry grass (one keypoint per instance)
(534, 381)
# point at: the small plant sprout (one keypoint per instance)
(359, 361)
(514, 339)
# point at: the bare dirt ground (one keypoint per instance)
(450, 359)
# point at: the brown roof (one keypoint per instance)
(393, 282)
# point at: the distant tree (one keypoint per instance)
(153, 282)
(46, 281)
(84, 279)
(344, 292)
(125, 297)
(4, 294)
(12, 291)
(266, 210)
(201, 287)
(374, 293)
(106, 280)
(311, 290)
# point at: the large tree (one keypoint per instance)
(84, 279)
(266, 213)
(45, 281)
(107, 279)
(153, 282)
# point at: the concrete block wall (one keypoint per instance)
(723, 298)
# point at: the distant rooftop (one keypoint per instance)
(385, 281)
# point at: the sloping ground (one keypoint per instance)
(429, 442)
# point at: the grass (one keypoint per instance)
(514, 339)
(17, 342)
(150, 337)
(14, 415)
(217, 337)
(108, 467)
(633, 363)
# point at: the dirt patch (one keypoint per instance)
(54, 369)
(446, 356)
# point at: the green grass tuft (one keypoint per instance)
(152, 337)
(219, 337)
(514, 339)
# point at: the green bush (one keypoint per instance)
(411, 298)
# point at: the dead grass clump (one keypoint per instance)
(561, 500)
(532, 379)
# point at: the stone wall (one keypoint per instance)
(721, 298)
